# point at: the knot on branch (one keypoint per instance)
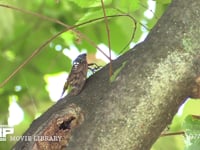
(57, 133)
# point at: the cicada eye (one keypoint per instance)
(75, 65)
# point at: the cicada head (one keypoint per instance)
(80, 63)
(80, 59)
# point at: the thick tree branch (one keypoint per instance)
(131, 111)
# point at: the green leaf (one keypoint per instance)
(121, 29)
(190, 107)
(163, 143)
(192, 132)
(164, 1)
(90, 3)
(4, 109)
(127, 6)
(7, 22)
(68, 37)
(97, 13)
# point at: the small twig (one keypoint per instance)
(29, 58)
(50, 39)
(67, 26)
(56, 21)
(196, 117)
(44, 45)
(134, 30)
(35, 14)
(174, 133)
(108, 33)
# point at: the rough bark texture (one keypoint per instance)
(154, 78)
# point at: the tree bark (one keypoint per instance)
(150, 82)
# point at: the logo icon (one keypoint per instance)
(4, 131)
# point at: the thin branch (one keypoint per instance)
(108, 33)
(35, 14)
(134, 30)
(29, 58)
(68, 28)
(132, 35)
(172, 134)
(55, 21)
(45, 44)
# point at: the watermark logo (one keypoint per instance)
(36, 138)
(4, 131)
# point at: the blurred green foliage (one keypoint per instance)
(181, 122)
(191, 126)
(22, 33)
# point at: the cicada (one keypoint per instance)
(77, 76)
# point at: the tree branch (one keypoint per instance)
(131, 111)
